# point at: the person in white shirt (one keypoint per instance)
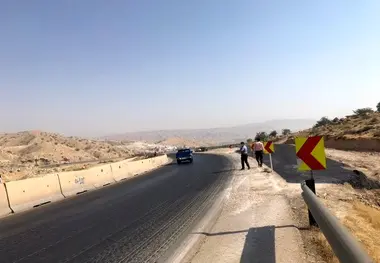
(258, 148)
(244, 156)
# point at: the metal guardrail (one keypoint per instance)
(345, 246)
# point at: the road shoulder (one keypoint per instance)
(256, 223)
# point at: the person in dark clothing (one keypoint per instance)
(244, 156)
(258, 148)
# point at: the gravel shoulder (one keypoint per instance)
(256, 223)
(349, 188)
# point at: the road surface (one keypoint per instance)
(285, 164)
(256, 223)
(139, 220)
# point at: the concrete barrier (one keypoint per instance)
(33, 192)
(161, 160)
(77, 182)
(125, 169)
(4, 206)
(120, 170)
(100, 176)
(145, 165)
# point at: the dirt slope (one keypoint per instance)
(26, 154)
(353, 142)
(353, 133)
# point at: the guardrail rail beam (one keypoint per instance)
(345, 246)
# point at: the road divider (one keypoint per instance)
(75, 182)
(100, 176)
(33, 192)
(120, 170)
(126, 169)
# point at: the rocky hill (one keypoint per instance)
(30, 153)
(196, 137)
(358, 132)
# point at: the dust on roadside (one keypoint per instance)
(356, 203)
(256, 221)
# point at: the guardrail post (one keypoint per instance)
(346, 248)
(311, 184)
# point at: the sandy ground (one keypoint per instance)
(355, 203)
(256, 223)
(367, 162)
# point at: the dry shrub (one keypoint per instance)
(374, 120)
(364, 223)
(97, 154)
(364, 129)
(88, 147)
(324, 249)
(376, 134)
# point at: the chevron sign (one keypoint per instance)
(268, 147)
(310, 152)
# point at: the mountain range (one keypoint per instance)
(215, 135)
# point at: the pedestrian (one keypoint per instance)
(258, 148)
(244, 156)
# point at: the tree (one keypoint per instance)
(322, 122)
(263, 136)
(378, 107)
(273, 133)
(286, 132)
(363, 111)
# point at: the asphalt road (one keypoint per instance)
(140, 220)
(285, 164)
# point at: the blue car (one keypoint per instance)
(184, 155)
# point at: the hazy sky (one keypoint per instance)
(93, 67)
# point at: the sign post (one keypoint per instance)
(310, 152)
(269, 149)
(270, 160)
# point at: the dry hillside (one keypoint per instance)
(351, 127)
(216, 136)
(181, 142)
(359, 132)
(26, 154)
(353, 142)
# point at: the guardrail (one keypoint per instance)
(21, 195)
(345, 246)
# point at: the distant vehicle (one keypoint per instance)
(201, 149)
(184, 155)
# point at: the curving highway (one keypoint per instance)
(140, 220)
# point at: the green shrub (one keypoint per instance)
(286, 131)
(322, 122)
(363, 111)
